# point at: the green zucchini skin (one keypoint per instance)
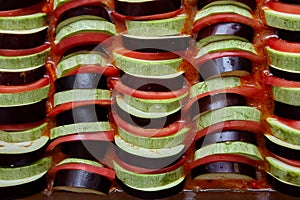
(82, 179)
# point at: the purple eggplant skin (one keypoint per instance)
(291, 1)
(147, 163)
(98, 11)
(286, 111)
(88, 113)
(20, 78)
(86, 149)
(81, 81)
(153, 85)
(152, 194)
(24, 190)
(147, 8)
(291, 190)
(290, 36)
(164, 44)
(18, 160)
(225, 167)
(15, 4)
(228, 28)
(22, 41)
(219, 66)
(249, 3)
(216, 101)
(82, 179)
(284, 74)
(226, 136)
(23, 114)
(282, 151)
(147, 123)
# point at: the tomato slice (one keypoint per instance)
(23, 11)
(246, 91)
(140, 170)
(20, 127)
(223, 158)
(275, 81)
(80, 39)
(243, 125)
(295, 163)
(102, 171)
(73, 4)
(148, 56)
(118, 86)
(23, 52)
(23, 88)
(70, 105)
(109, 71)
(226, 17)
(150, 17)
(244, 54)
(284, 7)
(99, 136)
(282, 45)
(289, 122)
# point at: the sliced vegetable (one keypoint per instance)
(286, 111)
(282, 20)
(250, 3)
(12, 5)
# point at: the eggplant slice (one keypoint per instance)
(148, 163)
(147, 123)
(226, 136)
(98, 11)
(81, 81)
(156, 44)
(217, 101)
(87, 149)
(229, 28)
(291, 1)
(282, 151)
(152, 194)
(20, 78)
(16, 4)
(232, 65)
(286, 111)
(224, 167)
(250, 3)
(152, 84)
(22, 41)
(88, 113)
(23, 190)
(290, 36)
(81, 179)
(285, 74)
(23, 114)
(146, 8)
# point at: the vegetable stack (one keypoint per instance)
(227, 124)
(149, 97)
(82, 99)
(282, 139)
(24, 89)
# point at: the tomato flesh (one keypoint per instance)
(275, 81)
(23, 52)
(284, 7)
(282, 45)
